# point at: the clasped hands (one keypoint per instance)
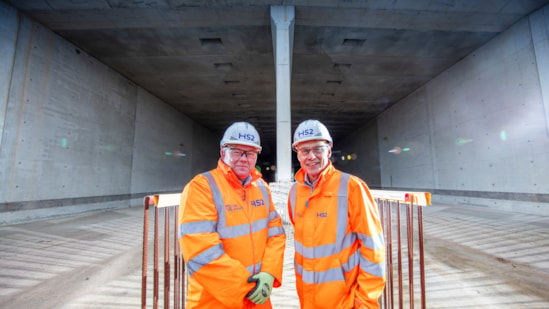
(263, 287)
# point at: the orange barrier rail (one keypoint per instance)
(387, 202)
(169, 203)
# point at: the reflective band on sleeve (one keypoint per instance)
(251, 268)
(204, 258)
(273, 215)
(197, 227)
(277, 230)
(377, 270)
(372, 242)
(348, 241)
(352, 262)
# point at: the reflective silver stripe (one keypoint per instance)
(206, 257)
(292, 199)
(196, 227)
(348, 240)
(273, 215)
(257, 268)
(372, 268)
(352, 262)
(372, 242)
(277, 230)
(315, 252)
(259, 225)
(330, 275)
(218, 201)
(234, 231)
(265, 193)
(342, 209)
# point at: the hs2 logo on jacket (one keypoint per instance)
(322, 214)
(257, 203)
(233, 207)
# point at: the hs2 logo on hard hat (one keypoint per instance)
(249, 137)
(306, 132)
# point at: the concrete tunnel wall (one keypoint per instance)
(477, 134)
(77, 136)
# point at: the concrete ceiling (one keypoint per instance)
(214, 61)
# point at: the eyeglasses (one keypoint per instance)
(237, 153)
(318, 150)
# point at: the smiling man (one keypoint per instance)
(339, 245)
(231, 236)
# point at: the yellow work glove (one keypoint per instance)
(263, 287)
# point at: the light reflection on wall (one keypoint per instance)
(503, 135)
(176, 154)
(399, 150)
(462, 141)
(342, 156)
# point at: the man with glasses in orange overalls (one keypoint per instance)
(339, 245)
(231, 236)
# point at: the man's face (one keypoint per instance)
(313, 157)
(241, 158)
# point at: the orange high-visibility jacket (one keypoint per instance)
(227, 232)
(339, 245)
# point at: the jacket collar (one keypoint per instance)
(229, 174)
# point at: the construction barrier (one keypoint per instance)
(389, 202)
(169, 204)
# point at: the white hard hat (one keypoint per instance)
(310, 130)
(241, 133)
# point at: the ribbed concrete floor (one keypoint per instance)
(475, 258)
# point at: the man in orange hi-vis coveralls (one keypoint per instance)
(339, 246)
(231, 236)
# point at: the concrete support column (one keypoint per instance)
(282, 27)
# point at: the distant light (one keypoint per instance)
(396, 150)
(64, 143)
(348, 157)
(503, 135)
(405, 149)
(168, 153)
(342, 158)
(462, 141)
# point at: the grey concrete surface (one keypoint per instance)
(351, 59)
(79, 134)
(475, 258)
